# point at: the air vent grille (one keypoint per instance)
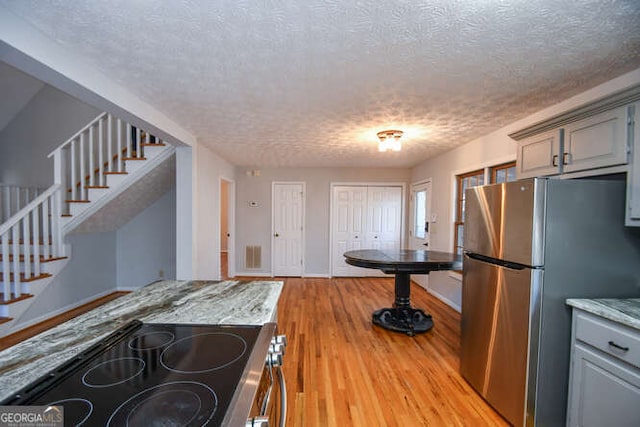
(253, 257)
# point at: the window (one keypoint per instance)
(497, 174)
(503, 173)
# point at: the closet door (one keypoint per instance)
(349, 216)
(364, 217)
(384, 215)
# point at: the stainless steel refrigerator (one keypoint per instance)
(528, 246)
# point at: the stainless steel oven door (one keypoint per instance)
(260, 398)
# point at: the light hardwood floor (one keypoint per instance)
(343, 371)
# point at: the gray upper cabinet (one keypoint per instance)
(595, 139)
(538, 155)
(596, 142)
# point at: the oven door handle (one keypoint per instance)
(283, 396)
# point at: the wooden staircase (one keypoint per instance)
(90, 169)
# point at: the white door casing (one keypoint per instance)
(231, 227)
(288, 230)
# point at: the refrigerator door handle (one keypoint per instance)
(498, 262)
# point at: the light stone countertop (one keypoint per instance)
(197, 302)
(625, 311)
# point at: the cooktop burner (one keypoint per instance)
(150, 374)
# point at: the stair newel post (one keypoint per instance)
(56, 235)
(82, 169)
(36, 241)
(46, 233)
(119, 152)
(109, 145)
(100, 152)
(15, 234)
(26, 238)
(6, 282)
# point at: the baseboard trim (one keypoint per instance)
(252, 274)
(445, 300)
(317, 275)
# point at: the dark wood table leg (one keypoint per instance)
(401, 317)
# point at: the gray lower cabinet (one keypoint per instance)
(604, 388)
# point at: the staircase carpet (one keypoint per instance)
(24, 279)
(13, 298)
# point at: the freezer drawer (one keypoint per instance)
(495, 334)
(506, 221)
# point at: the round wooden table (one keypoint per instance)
(403, 263)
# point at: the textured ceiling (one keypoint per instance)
(309, 83)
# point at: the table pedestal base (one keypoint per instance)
(408, 320)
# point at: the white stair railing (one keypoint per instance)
(96, 150)
(15, 197)
(34, 233)
(29, 237)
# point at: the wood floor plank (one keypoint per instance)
(341, 370)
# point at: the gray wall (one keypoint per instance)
(90, 272)
(48, 120)
(253, 224)
(147, 244)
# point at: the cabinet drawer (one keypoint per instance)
(614, 339)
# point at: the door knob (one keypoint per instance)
(276, 235)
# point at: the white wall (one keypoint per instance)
(208, 169)
(46, 121)
(147, 244)
(253, 224)
(491, 149)
(89, 274)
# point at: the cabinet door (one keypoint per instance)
(633, 177)
(596, 142)
(603, 392)
(539, 155)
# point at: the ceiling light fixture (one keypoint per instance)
(389, 140)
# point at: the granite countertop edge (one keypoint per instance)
(625, 311)
(186, 302)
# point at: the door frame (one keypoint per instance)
(231, 225)
(403, 210)
(303, 214)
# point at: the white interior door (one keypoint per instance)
(384, 217)
(288, 232)
(420, 215)
(349, 216)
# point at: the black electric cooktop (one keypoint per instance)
(147, 375)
